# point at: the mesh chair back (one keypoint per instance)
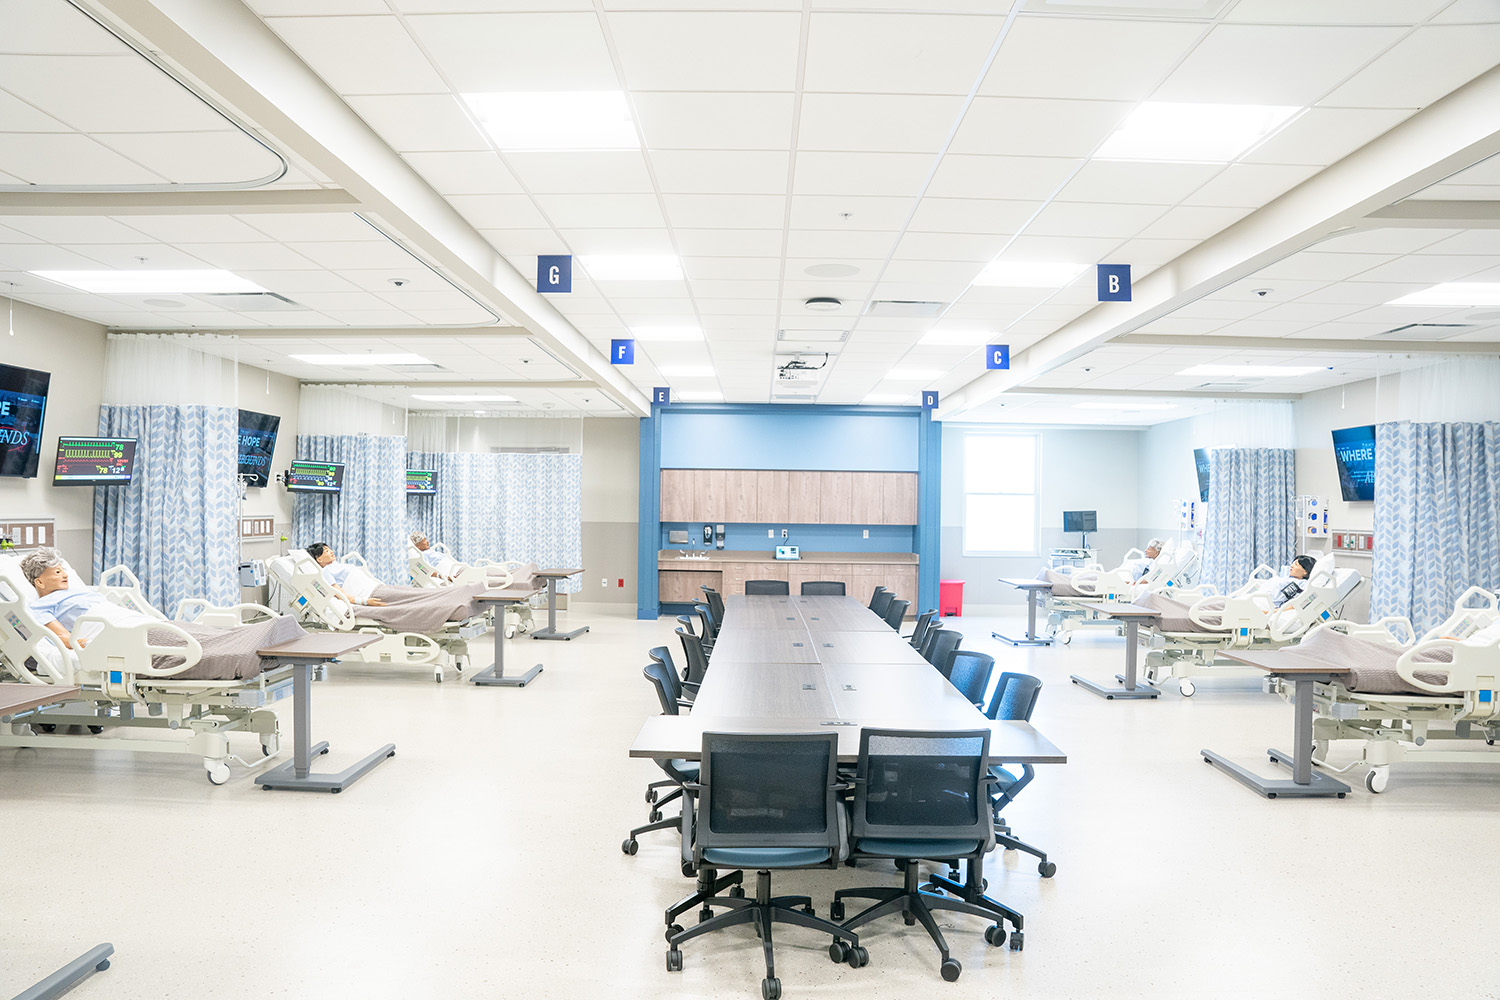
(668, 688)
(823, 588)
(881, 601)
(895, 612)
(697, 661)
(970, 673)
(1015, 697)
(715, 604)
(876, 596)
(923, 785)
(924, 622)
(663, 655)
(768, 790)
(940, 646)
(686, 621)
(772, 587)
(710, 625)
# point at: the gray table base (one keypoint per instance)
(1128, 687)
(297, 774)
(494, 675)
(96, 959)
(551, 632)
(1305, 783)
(1032, 639)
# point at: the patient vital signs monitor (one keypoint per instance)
(314, 477)
(94, 461)
(421, 482)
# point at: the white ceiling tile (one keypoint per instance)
(361, 55)
(1474, 241)
(618, 241)
(883, 174)
(130, 255)
(736, 289)
(339, 300)
(876, 123)
(1016, 177)
(971, 215)
(361, 254)
(43, 28)
(619, 171)
(1391, 241)
(69, 159)
(837, 246)
(122, 93)
(317, 227)
(420, 123)
(865, 270)
(252, 256)
(1320, 136)
(193, 228)
(728, 242)
(465, 173)
(1074, 249)
(1138, 183)
(708, 211)
(1424, 66)
(1323, 266)
(18, 116)
(1463, 11)
(897, 53)
(747, 172)
(524, 242)
(737, 307)
(1020, 126)
(1088, 58)
(499, 211)
(1191, 222)
(936, 271)
(1232, 65)
(1336, 11)
(950, 246)
(1148, 255)
(73, 229)
(707, 50)
(715, 121)
(273, 8)
(484, 53)
(844, 212)
(222, 157)
(625, 211)
(1427, 267)
(1250, 185)
(715, 268)
(294, 283)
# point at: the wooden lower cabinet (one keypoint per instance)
(728, 578)
(682, 587)
(799, 573)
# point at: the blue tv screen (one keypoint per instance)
(1354, 451)
(23, 404)
(1200, 457)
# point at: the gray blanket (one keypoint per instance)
(228, 653)
(1174, 614)
(1062, 583)
(1373, 666)
(422, 609)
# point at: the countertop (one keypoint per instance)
(667, 558)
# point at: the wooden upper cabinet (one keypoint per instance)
(772, 487)
(900, 498)
(835, 505)
(868, 501)
(677, 494)
(741, 499)
(805, 498)
(709, 504)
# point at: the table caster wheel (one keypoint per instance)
(674, 960)
(770, 988)
(1046, 869)
(950, 969)
(630, 846)
(994, 935)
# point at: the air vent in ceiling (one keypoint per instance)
(1423, 331)
(905, 309)
(812, 336)
(248, 302)
(1229, 386)
(794, 397)
(416, 369)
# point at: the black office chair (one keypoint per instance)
(876, 596)
(969, 670)
(769, 802)
(1015, 696)
(895, 613)
(881, 601)
(924, 622)
(679, 772)
(941, 642)
(696, 624)
(710, 629)
(697, 660)
(775, 588)
(823, 588)
(715, 605)
(687, 691)
(921, 795)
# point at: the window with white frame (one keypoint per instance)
(1000, 494)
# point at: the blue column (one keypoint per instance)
(929, 516)
(649, 531)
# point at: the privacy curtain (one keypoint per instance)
(1251, 513)
(1437, 511)
(176, 525)
(521, 506)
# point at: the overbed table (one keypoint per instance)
(551, 632)
(1304, 672)
(1033, 589)
(302, 655)
(1128, 687)
(494, 674)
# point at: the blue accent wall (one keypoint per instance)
(800, 438)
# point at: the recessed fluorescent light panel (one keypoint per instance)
(1248, 371)
(888, 397)
(1193, 133)
(353, 360)
(632, 267)
(465, 399)
(558, 120)
(667, 333)
(690, 396)
(1459, 294)
(151, 282)
(1027, 274)
(955, 338)
(913, 375)
(1124, 405)
(687, 371)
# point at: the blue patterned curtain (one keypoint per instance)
(1252, 519)
(369, 516)
(526, 507)
(1437, 511)
(176, 525)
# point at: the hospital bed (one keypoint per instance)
(493, 574)
(315, 603)
(1196, 625)
(139, 673)
(1077, 592)
(1431, 698)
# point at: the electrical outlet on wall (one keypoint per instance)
(603, 583)
(770, 532)
(867, 532)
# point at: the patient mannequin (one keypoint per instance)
(439, 565)
(1138, 568)
(1291, 585)
(56, 606)
(336, 573)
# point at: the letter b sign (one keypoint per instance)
(1114, 282)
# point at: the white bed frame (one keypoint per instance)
(1175, 567)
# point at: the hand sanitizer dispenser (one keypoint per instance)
(718, 536)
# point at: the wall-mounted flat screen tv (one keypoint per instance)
(94, 461)
(315, 477)
(1354, 453)
(421, 482)
(23, 404)
(257, 442)
(1200, 458)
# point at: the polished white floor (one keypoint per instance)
(484, 859)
